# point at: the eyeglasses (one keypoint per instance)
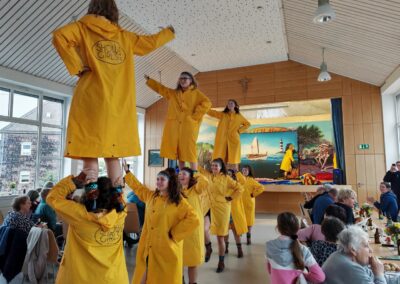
(184, 78)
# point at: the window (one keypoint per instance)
(24, 177)
(26, 148)
(31, 140)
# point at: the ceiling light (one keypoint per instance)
(269, 41)
(260, 8)
(324, 13)
(323, 74)
(193, 54)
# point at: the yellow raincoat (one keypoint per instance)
(227, 139)
(193, 245)
(287, 160)
(163, 254)
(94, 250)
(252, 189)
(239, 216)
(104, 103)
(221, 186)
(184, 115)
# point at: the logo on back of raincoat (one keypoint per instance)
(110, 237)
(109, 51)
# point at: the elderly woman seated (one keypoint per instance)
(18, 218)
(346, 199)
(349, 264)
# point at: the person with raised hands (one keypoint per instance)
(193, 185)
(169, 220)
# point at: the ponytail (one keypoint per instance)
(288, 225)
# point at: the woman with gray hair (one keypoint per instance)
(349, 264)
(346, 199)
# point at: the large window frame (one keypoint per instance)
(41, 96)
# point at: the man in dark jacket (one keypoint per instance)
(393, 176)
(322, 203)
(388, 202)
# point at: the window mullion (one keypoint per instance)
(39, 144)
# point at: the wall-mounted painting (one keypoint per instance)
(155, 160)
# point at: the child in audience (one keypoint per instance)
(388, 201)
(287, 259)
(322, 249)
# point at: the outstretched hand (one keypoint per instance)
(171, 28)
(86, 176)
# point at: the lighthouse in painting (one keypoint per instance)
(281, 146)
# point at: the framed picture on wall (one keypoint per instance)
(154, 159)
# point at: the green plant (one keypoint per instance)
(13, 185)
(309, 135)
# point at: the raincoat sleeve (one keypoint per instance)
(204, 172)
(159, 88)
(240, 178)
(256, 187)
(202, 183)
(214, 113)
(69, 210)
(138, 188)
(201, 109)
(245, 124)
(235, 187)
(144, 44)
(188, 222)
(66, 40)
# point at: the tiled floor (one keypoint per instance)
(250, 269)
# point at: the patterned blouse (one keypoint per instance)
(321, 250)
(19, 221)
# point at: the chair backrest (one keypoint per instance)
(132, 224)
(65, 229)
(52, 255)
(303, 213)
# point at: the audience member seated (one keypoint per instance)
(388, 201)
(34, 198)
(320, 190)
(346, 199)
(322, 203)
(14, 234)
(313, 232)
(321, 250)
(287, 259)
(47, 214)
(349, 264)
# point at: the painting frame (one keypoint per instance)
(154, 158)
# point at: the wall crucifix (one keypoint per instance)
(245, 84)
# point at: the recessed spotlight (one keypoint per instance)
(193, 54)
(268, 41)
(260, 8)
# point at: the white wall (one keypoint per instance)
(389, 91)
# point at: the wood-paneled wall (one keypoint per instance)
(292, 81)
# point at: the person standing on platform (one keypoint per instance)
(252, 189)
(227, 140)
(223, 190)
(287, 161)
(237, 222)
(169, 220)
(97, 50)
(186, 108)
(322, 203)
(193, 185)
(393, 176)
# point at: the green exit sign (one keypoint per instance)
(363, 146)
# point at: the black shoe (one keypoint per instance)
(240, 251)
(221, 266)
(226, 247)
(248, 239)
(208, 252)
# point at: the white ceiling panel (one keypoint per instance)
(213, 35)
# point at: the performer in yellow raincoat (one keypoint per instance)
(94, 249)
(238, 223)
(169, 220)
(252, 189)
(186, 108)
(227, 140)
(102, 119)
(223, 190)
(286, 164)
(193, 186)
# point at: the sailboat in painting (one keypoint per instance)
(255, 151)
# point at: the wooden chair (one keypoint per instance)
(132, 224)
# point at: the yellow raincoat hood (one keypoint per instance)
(100, 26)
(106, 220)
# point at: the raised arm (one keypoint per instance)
(216, 114)
(202, 107)
(202, 183)
(187, 222)
(138, 188)
(66, 40)
(256, 187)
(159, 88)
(235, 187)
(147, 43)
(245, 124)
(204, 172)
(70, 211)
